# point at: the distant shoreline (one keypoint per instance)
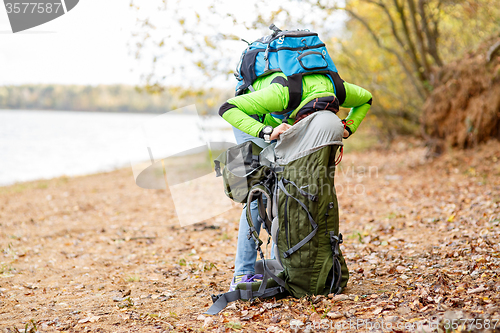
(109, 98)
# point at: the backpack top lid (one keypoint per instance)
(290, 52)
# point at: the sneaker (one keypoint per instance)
(243, 279)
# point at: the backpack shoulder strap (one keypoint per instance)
(294, 84)
(338, 85)
(295, 91)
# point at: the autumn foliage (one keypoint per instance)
(464, 107)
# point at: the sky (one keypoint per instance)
(88, 45)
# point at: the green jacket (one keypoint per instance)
(271, 95)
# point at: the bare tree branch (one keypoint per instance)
(391, 20)
(402, 62)
(407, 34)
(420, 39)
(432, 36)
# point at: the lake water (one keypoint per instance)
(48, 144)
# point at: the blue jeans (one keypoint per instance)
(246, 253)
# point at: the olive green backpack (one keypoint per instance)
(301, 215)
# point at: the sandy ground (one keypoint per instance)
(99, 254)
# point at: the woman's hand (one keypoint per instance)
(278, 130)
(346, 134)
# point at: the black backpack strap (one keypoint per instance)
(247, 70)
(218, 173)
(338, 84)
(295, 91)
(335, 242)
(294, 84)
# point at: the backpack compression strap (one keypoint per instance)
(306, 239)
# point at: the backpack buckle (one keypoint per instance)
(215, 298)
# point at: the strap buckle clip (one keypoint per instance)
(215, 298)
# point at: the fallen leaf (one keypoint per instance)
(334, 315)
(232, 307)
(404, 310)
(400, 269)
(91, 319)
(340, 297)
(479, 289)
(208, 321)
(314, 317)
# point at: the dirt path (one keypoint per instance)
(99, 254)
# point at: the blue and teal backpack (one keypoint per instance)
(295, 53)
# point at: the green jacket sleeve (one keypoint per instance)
(359, 100)
(237, 110)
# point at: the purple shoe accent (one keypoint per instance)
(251, 278)
(248, 278)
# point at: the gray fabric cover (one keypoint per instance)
(267, 155)
(320, 129)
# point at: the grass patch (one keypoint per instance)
(173, 315)
(34, 185)
(16, 188)
(6, 269)
(225, 236)
(234, 325)
(127, 303)
(133, 278)
(29, 328)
